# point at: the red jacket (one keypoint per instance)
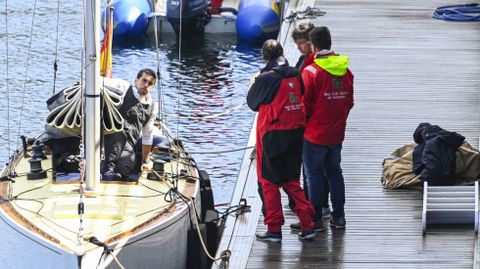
(305, 61)
(277, 95)
(328, 98)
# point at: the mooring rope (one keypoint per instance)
(160, 95)
(458, 12)
(222, 151)
(180, 37)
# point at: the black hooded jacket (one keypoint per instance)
(280, 150)
(434, 157)
(266, 85)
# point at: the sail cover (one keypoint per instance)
(66, 109)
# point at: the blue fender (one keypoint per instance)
(130, 18)
(257, 20)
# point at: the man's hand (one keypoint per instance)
(147, 166)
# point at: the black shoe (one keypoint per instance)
(319, 227)
(339, 223)
(111, 176)
(269, 237)
(296, 227)
(306, 235)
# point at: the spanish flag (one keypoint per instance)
(106, 50)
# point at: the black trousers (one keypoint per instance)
(119, 154)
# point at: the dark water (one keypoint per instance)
(213, 77)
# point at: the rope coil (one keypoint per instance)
(309, 13)
(458, 12)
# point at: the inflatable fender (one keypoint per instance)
(213, 232)
(196, 257)
(130, 17)
(257, 20)
(206, 193)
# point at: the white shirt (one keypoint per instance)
(147, 132)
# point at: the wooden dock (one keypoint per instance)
(409, 68)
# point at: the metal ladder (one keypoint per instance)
(450, 205)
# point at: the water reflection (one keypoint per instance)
(213, 77)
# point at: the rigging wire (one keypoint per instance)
(7, 80)
(55, 63)
(207, 117)
(160, 96)
(81, 205)
(180, 33)
(26, 71)
(45, 219)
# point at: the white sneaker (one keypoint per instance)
(326, 212)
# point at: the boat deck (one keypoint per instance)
(114, 211)
(409, 68)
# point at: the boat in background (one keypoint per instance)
(253, 21)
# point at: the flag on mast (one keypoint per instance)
(106, 50)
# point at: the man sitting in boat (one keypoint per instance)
(138, 111)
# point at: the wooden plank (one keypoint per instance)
(238, 235)
(409, 68)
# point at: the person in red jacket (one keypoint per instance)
(300, 36)
(277, 96)
(328, 99)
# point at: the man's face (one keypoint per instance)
(145, 84)
(303, 45)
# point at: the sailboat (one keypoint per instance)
(48, 220)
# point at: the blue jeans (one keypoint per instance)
(320, 161)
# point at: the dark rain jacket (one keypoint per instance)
(136, 116)
(434, 158)
(277, 96)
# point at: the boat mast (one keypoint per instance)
(92, 96)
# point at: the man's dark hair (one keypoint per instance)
(320, 38)
(271, 49)
(147, 71)
(302, 31)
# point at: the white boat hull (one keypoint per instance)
(143, 230)
(219, 24)
(162, 246)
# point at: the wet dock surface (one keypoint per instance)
(409, 68)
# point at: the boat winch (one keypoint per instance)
(36, 170)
